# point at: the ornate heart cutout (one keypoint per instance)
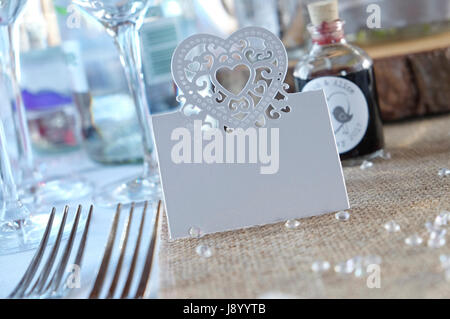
(233, 81)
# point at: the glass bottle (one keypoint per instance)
(345, 73)
(53, 120)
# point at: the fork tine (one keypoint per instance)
(34, 264)
(95, 292)
(123, 248)
(57, 275)
(146, 272)
(42, 279)
(126, 288)
(82, 245)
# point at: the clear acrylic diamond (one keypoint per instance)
(366, 165)
(345, 267)
(432, 227)
(436, 242)
(203, 251)
(444, 172)
(195, 232)
(442, 219)
(414, 240)
(320, 266)
(291, 223)
(438, 233)
(392, 226)
(342, 215)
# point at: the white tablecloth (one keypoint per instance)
(13, 266)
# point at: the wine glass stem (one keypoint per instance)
(10, 64)
(6, 177)
(127, 40)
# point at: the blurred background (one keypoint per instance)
(76, 94)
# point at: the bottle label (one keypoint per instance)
(348, 109)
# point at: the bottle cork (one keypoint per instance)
(320, 11)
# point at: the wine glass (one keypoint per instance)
(21, 226)
(32, 187)
(122, 20)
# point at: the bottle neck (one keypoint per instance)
(327, 32)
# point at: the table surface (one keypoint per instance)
(275, 261)
(271, 261)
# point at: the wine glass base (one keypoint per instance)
(128, 191)
(19, 236)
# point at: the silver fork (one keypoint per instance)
(46, 286)
(146, 272)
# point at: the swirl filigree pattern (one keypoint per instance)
(237, 82)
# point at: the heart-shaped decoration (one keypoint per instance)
(234, 81)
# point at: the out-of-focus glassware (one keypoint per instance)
(32, 186)
(46, 90)
(21, 227)
(109, 124)
(284, 18)
(122, 20)
(166, 24)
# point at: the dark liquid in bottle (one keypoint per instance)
(373, 138)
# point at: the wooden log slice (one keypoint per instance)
(413, 77)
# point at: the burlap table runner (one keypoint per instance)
(271, 259)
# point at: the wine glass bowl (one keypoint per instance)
(113, 12)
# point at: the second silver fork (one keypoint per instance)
(146, 272)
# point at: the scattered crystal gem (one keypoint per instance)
(432, 227)
(414, 240)
(357, 263)
(195, 232)
(444, 172)
(320, 266)
(438, 233)
(392, 226)
(436, 242)
(292, 223)
(442, 218)
(360, 271)
(345, 267)
(203, 251)
(366, 164)
(342, 215)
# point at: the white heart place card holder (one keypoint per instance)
(242, 151)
